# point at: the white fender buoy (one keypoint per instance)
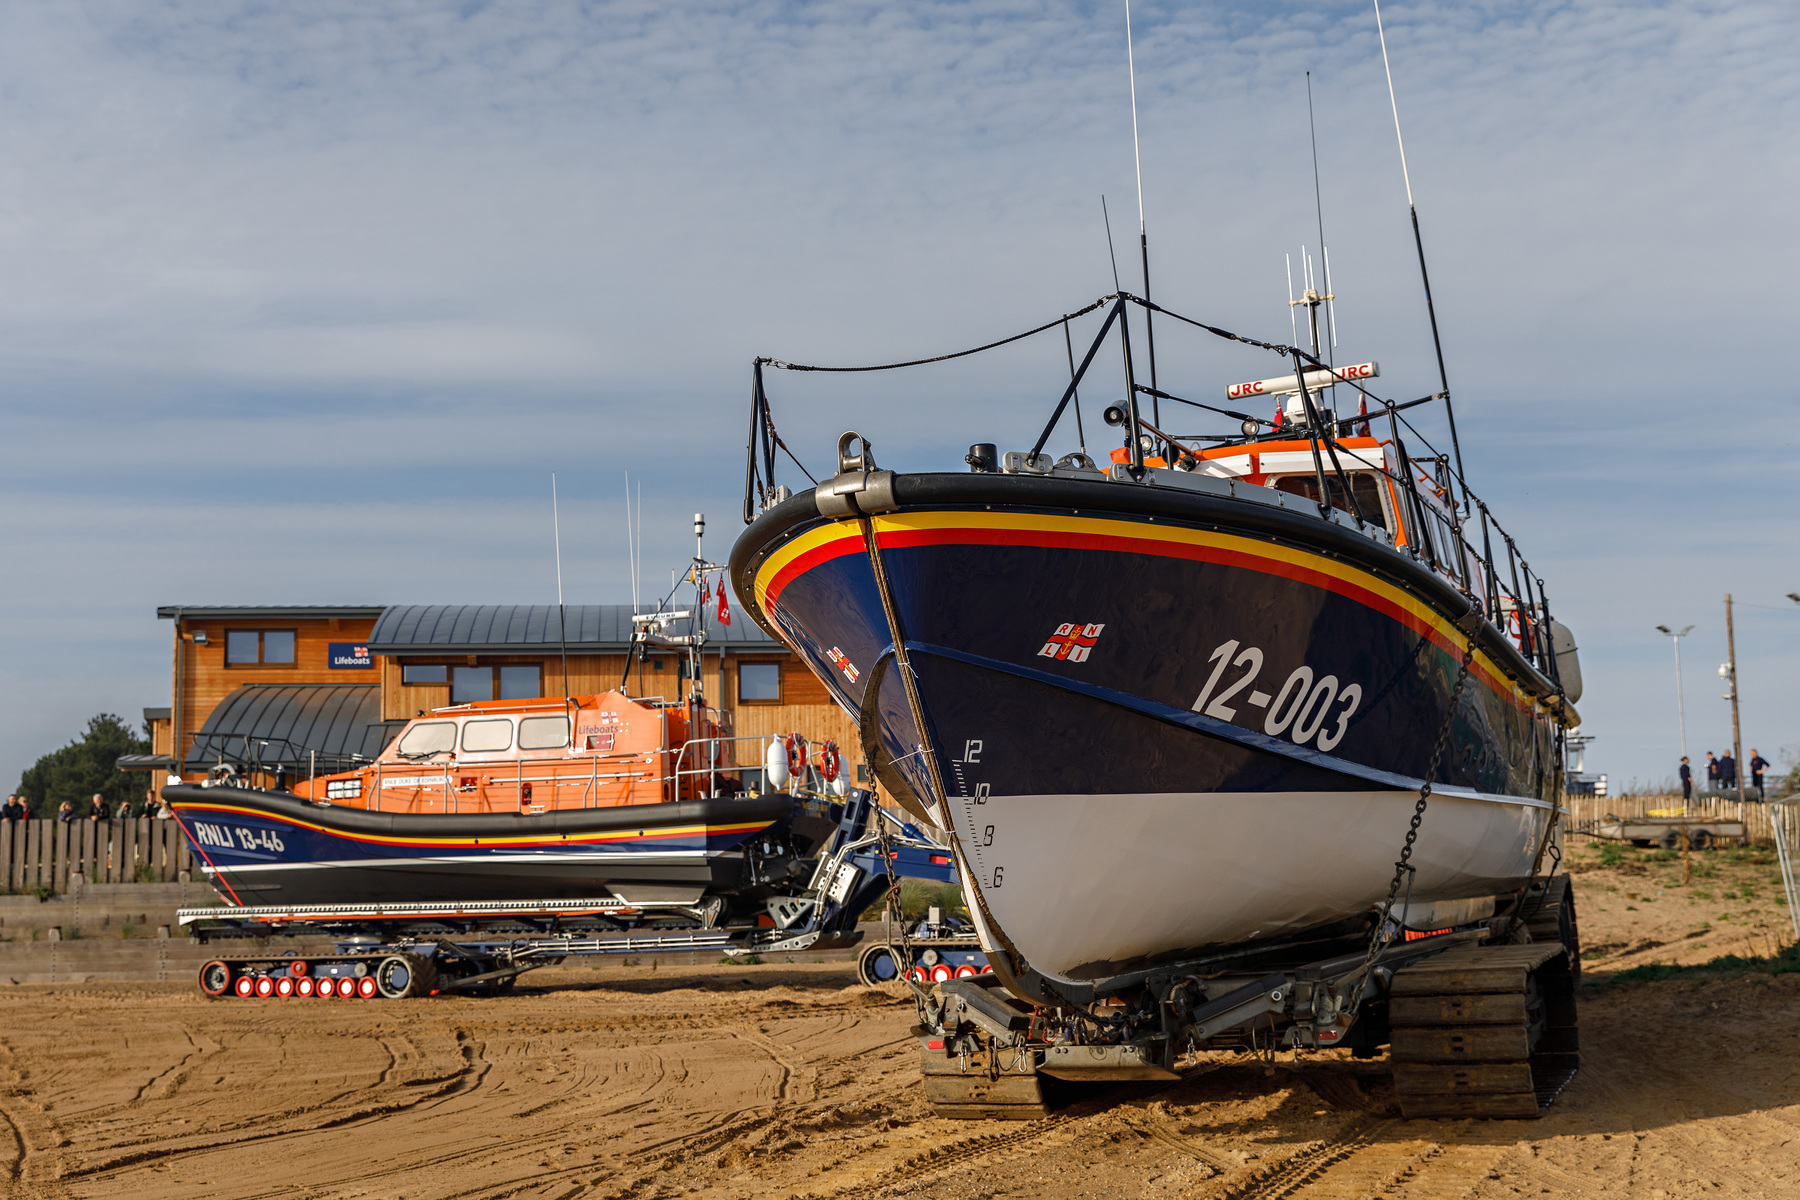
(840, 785)
(775, 764)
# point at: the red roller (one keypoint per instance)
(298, 968)
(966, 972)
(284, 987)
(223, 975)
(245, 986)
(365, 987)
(941, 972)
(305, 987)
(265, 987)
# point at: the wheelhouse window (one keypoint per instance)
(1365, 484)
(416, 673)
(433, 737)
(490, 735)
(544, 733)
(259, 647)
(759, 683)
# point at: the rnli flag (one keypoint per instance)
(724, 604)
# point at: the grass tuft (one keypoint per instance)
(1785, 961)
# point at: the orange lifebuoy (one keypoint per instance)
(796, 753)
(828, 762)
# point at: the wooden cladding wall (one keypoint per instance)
(815, 722)
(205, 679)
(44, 854)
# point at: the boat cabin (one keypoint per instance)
(539, 755)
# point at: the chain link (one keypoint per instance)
(1404, 865)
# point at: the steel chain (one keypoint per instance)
(1403, 865)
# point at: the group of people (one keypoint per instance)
(1722, 773)
(98, 809)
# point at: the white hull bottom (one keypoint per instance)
(1081, 884)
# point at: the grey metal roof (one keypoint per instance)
(258, 611)
(516, 628)
(157, 714)
(274, 723)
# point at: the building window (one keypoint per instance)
(521, 682)
(511, 682)
(759, 683)
(425, 673)
(259, 647)
(469, 684)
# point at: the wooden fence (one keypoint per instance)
(1586, 812)
(45, 854)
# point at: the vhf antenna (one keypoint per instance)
(1143, 236)
(1107, 217)
(562, 635)
(1324, 250)
(1419, 243)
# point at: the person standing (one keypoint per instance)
(97, 810)
(1727, 772)
(1687, 780)
(1758, 764)
(1712, 772)
(66, 812)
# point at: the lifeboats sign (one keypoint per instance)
(349, 656)
(1282, 385)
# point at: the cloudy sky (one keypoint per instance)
(303, 304)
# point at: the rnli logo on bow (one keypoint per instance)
(1072, 642)
(840, 660)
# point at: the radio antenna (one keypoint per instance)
(1109, 242)
(1319, 208)
(561, 631)
(1293, 320)
(1419, 244)
(1143, 237)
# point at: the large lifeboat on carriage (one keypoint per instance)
(640, 800)
(1181, 705)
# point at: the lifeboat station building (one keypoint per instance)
(314, 688)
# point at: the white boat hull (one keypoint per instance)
(1081, 885)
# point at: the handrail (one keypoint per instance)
(1460, 561)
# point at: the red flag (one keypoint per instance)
(724, 606)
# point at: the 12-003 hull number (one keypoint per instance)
(1306, 709)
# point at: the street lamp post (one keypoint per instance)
(1680, 706)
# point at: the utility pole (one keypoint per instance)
(1737, 740)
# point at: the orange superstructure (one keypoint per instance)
(533, 756)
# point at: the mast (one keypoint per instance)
(1143, 237)
(1419, 244)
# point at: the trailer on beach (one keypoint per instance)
(1670, 829)
(396, 950)
(1479, 1016)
